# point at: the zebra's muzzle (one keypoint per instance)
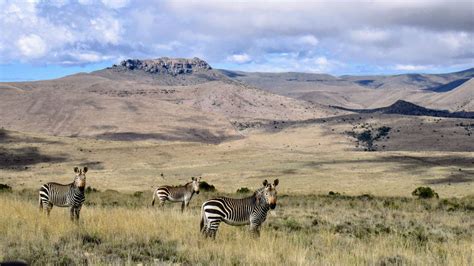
(272, 205)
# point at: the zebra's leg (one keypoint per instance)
(73, 213)
(77, 212)
(212, 229)
(182, 205)
(255, 230)
(48, 208)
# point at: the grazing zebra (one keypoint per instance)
(181, 194)
(251, 210)
(69, 195)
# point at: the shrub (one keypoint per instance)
(369, 136)
(90, 189)
(243, 190)
(332, 193)
(5, 188)
(203, 185)
(424, 193)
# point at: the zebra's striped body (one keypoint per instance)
(64, 195)
(247, 211)
(181, 194)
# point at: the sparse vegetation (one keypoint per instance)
(303, 230)
(424, 193)
(243, 190)
(204, 186)
(366, 135)
(90, 189)
(5, 188)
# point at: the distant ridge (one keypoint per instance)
(166, 65)
(164, 71)
(402, 107)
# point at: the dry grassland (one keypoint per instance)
(303, 230)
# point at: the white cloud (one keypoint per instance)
(369, 35)
(115, 3)
(239, 58)
(32, 46)
(410, 67)
(308, 40)
(293, 36)
(106, 29)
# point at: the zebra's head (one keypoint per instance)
(196, 184)
(268, 194)
(80, 179)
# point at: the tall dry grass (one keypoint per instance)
(303, 230)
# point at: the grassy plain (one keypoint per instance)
(121, 228)
(310, 159)
(386, 227)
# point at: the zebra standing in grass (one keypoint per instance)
(181, 194)
(69, 195)
(251, 210)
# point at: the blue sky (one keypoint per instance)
(50, 39)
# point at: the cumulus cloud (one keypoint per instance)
(410, 67)
(32, 46)
(239, 58)
(285, 35)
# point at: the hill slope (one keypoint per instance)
(434, 90)
(171, 99)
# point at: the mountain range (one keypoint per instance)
(186, 99)
(452, 91)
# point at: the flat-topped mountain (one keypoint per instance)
(164, 71)
(165, 65)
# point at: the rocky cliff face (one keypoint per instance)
(165, 65)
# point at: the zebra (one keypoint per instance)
(247, 211)
(181, 194)
(69, 195)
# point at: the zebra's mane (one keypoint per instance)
(182, 185)
(258, 191)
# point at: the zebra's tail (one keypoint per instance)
(40, 202)
(153, 201)
(203, 217)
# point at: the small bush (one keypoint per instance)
(5, 188)
(90, 189)
(292, 225)
(424, 193)
(243, 190)
(332, 193)
(91, 239)
(203, 185)
(138, 194)
(392, 261)
(365, 197)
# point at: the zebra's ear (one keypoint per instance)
(76, 170)
(85, 170)
(275, 183)
(265, 183)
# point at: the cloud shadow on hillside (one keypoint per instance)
(416, 165)
(21, 158)
(178, 134)
(7, 137)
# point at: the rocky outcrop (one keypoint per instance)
(165, 65)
